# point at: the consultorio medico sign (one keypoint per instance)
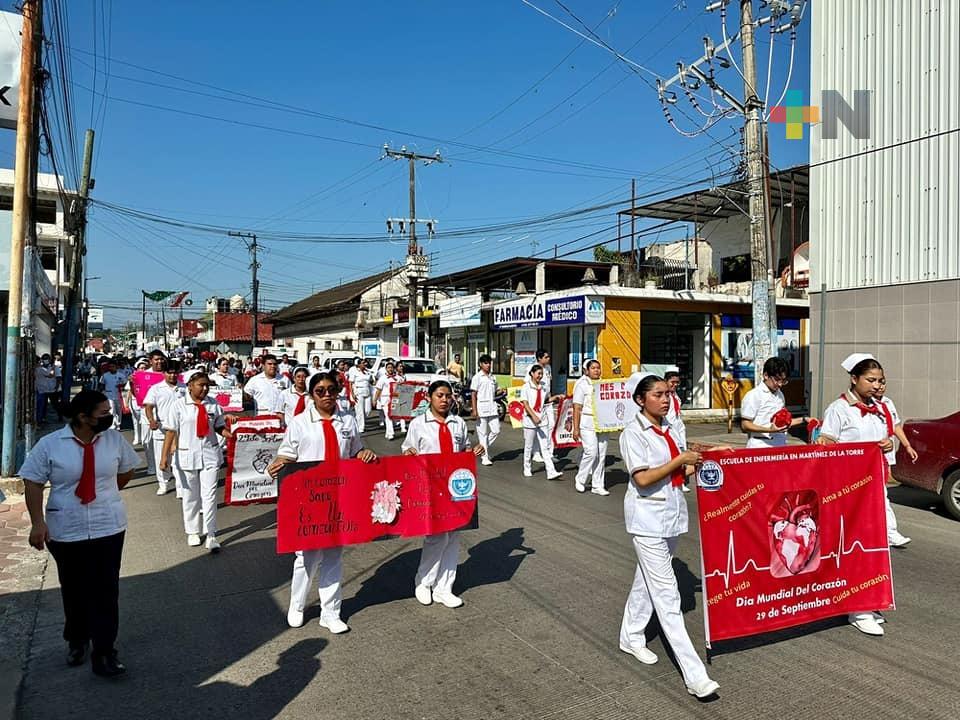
(546, 312)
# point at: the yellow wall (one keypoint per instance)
(619, 337)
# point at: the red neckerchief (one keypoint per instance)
(864, 409)
(203, 422)
(87, 487)
(676, 477)
(446, 438)
(888, 417)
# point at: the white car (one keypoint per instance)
(417, 369)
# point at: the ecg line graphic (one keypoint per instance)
(836, 556)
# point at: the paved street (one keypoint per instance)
(544, 579)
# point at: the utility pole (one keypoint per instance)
(255, 286)
(417, 263)
(761, 275)
(633, 225)
(26, 132)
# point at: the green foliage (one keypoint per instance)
(606, 255)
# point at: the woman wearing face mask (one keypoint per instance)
(86, 464)
(656, 515)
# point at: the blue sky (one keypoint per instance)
(452, 72)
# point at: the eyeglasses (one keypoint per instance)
(331, 391)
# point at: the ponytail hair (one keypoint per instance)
(83, 403)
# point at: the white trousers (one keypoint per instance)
(136, 417)
(532, 437)
(164, 477)
(387, 423)
(655, 589)
(891, 518)
(200, 495)
(546, 446)
(362, 409)
(438, 562)
(116, 409)
(149, 451)
(594, 458)
(488, 428)
(327, 567)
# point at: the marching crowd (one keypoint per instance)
(182, 430)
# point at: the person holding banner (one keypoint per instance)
(437, 431)
(381, 399)
(593, 459)
(762, 403)
(321, 434)
(655, 514)
(266, 388)
(483, 396)
(157, 405)
(294, 399)
(856, 417)
(549, 409)
(536, 423)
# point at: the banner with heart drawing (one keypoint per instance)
(792, 535)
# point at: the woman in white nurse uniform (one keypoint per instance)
(536, 423)
(594, 457)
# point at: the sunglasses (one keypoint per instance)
(322, 391)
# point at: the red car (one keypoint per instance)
(937, 442)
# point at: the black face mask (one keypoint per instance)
(103, 423)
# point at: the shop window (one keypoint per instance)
(501, 348)
(735, 268)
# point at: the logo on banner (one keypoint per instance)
(462, 485)
(710, 475)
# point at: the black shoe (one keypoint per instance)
(76, 654)
(108, 665)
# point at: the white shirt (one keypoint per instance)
(676, 422)
(288, 403)
(303, 439)
(385, 386)
(528, 394)
(195, 453)
(547, 380)
(759, 406)
(658, 510)
(224, 382)
(484, 388)
(57, 459)
(162, 396)
(112, 382)
(423, 434)
(895, 417)
(266, 393)
(46, 379)
(583, 395)
(360, 380)
(844, 422)
(284, 368)
(314, 370)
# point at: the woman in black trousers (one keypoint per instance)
(86, 463)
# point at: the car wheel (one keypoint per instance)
(951, 493)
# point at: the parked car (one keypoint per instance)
(417, 369)
(937, 469)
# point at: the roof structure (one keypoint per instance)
(505, 274)
(730, 200)
(331, 300)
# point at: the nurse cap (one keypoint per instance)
(853, 360)
(189, 375)
(636, 379)
(673, 368)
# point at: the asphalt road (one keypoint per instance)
(544, 579)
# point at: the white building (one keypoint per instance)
(885, 207)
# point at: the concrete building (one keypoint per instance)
(885, 206)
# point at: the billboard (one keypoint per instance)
(95, 318)
(11, 25)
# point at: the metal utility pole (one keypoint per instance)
(26, 132)
(254, 285)
(761, 275)
(417, 262)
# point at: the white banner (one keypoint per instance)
(258, 422)
(11, 26)
(230, 399)
(613, 405)
(249, 453)
(563, 430)
(407, 400)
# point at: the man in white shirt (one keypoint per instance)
(266, 388)
(762, 403)
(222, 378)
(157, 405)
(483, 394)
(111, 382)
(315, 365)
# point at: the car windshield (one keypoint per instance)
(423, 367)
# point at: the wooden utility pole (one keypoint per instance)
(761, 275)
(254, 285)
(415, 259)
(26, 133)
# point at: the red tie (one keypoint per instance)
(536, 405)
(676, 478)
(301, 405)
(446, 439)
(888, 417)
(203, 423)
(676, 404)
(866, 409)
(331, 443)
(87, 488)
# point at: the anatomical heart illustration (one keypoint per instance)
(795, 534)
(261, 460)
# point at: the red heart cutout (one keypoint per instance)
(516, 410)
(795, 534)
(782, 418)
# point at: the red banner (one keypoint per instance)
(326, 505)
(791, 535)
